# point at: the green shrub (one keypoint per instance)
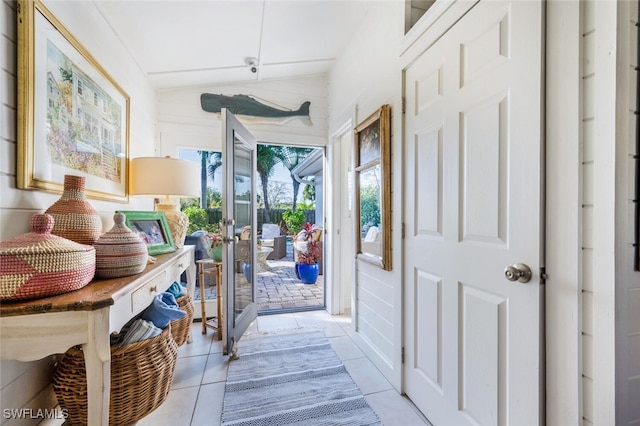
(293, 219)
(198, 219)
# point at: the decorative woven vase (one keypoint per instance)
(75, 219)
(120, 252)
(39, 264)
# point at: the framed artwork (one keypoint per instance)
(73, 118)
(373, 188)
(153, 228)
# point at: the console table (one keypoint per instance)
(34, 329)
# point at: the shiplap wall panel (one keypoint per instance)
(8, 53)
(27, 385)
(588, 89)
(21, 383)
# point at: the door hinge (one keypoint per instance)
(403, 231)
(402, 355)
(404, 105)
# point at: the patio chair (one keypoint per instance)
(271, 237)
(200, 252)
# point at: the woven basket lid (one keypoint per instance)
(120, 251)
(40, 240)
(39, 264)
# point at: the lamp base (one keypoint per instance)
(178, 222)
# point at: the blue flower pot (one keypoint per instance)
(308, 272)
(295, 268)
(246, 270)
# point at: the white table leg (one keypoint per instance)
(97, 359)
(191, 288)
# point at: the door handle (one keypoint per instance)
(518, 272)
(229, 240)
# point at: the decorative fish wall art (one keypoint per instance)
(248, 106)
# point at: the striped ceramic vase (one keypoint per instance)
(75, 219)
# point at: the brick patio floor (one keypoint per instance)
(279, 288)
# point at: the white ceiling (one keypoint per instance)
(181, 43)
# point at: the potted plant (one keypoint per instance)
(308, 254)
(214, 246)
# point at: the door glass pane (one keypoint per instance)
(370, 219)
(242, 198)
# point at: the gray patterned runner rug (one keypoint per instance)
(292, 379)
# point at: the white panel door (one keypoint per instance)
(473, 352)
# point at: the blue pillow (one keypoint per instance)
(177, 290)
(163, 310)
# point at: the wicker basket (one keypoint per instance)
(39, 264)
(141, 376)
(181, 328)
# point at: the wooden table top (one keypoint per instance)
(98, 294)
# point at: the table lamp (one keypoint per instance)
(166, 177)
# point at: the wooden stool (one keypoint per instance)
(208, 267)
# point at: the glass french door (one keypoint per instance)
(238, 229)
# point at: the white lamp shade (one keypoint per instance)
(164, 176)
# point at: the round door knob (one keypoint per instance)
(229, 240)
(518, 272)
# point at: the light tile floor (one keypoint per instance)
(198, 388)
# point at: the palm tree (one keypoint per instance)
(209, 163)
(290, 157)
(266, 160)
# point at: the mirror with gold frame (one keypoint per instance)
(373, 188)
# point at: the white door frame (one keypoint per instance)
(339, 241)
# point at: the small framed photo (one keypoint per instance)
(153, 228)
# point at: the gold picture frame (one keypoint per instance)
(372, 182)
(73, 118)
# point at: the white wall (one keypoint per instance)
(21, 383)
(366, 76)
(182, 123)
(564, 226)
